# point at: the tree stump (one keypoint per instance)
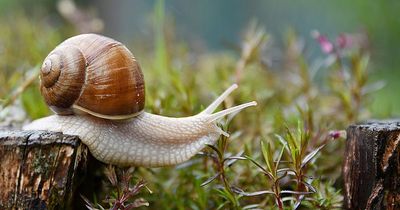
(39, 170)
(371, 167)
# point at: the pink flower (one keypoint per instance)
(337, 134)
(344, 41)
(324, 43)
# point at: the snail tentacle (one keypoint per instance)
(214, 105)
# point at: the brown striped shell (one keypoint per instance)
(93, 74)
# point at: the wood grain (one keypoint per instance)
(39, 170)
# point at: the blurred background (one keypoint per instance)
(312, 66)
(203, 26)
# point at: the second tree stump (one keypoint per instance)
(372, 166)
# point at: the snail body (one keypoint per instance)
(129, 137)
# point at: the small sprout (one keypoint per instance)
(123, 199)
(111, 175)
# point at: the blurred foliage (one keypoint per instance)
(23, 44)
(285, 153)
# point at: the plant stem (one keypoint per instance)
(21, 89)
(278, 196)
(221, 168)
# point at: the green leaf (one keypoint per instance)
(265, 171)
(216, 150)
(310, 156)
(279, 160)
(293, 149)
(227, 195)
(252, 206)
(295, 192)
(266, 151)
(231, 160)
(209, 180)
(249, 194)
(222, 205)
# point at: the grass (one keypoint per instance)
(284, 154)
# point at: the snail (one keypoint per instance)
(96, 88)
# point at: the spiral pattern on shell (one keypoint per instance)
(93, 74)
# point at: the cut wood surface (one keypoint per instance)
(371, 167)
(39, 170)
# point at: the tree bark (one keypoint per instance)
(39, 170)
(371, 167)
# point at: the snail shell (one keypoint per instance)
(93, 74)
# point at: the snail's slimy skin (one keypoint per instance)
(146, 140)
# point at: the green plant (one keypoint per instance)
(222, 161)
(123, 196)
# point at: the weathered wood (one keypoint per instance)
(371, 167)
(39, 170)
